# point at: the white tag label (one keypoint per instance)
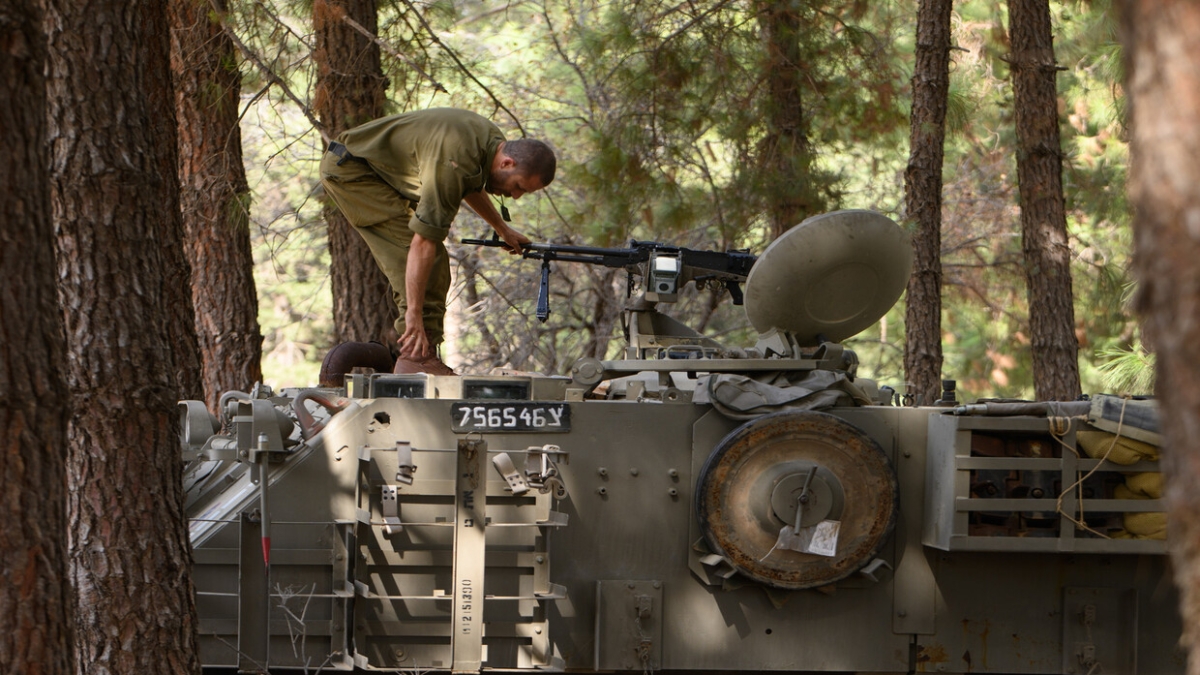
(824, 537)
(819, 539)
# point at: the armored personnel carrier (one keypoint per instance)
(690, 507)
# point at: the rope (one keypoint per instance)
(1059, 426)
(1079, 483)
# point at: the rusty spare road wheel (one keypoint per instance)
(748, 490)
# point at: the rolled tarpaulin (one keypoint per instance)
(1125, 451)
(1029, 408)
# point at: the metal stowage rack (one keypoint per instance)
(1066, 521)
(427, 540)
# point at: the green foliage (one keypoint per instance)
(1128, 371)
(291, 253)
(663, 118)
(657, 111)
(985, 318)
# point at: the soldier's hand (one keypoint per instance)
(514, 241)
(413, 344)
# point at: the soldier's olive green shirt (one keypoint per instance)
(432, 157)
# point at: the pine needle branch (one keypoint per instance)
(466, 71)
(271, 76)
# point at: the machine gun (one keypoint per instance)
(665, 269)
(826, 280)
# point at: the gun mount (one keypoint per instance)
(708, 509)
(662, 271)
(823, 281)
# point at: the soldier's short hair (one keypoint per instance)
(533, 158)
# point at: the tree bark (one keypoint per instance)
(784, 152)
(35, 629)
(1046, 248)
(115, 201)
(351, 90)
(1162, 51)
(923, 199)
(215, 199)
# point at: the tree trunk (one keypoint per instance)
(1162, 50)
(923, 199)
(115, 199)
(1043, 216)
(215, 199)
(35, 601)
(180, 315)
(351, 90)
(784, 152)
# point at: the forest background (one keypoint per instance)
(669, 118)
(657, 111)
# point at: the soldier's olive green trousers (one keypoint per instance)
(381, 215)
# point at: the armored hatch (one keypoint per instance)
(800, 499)
(803, 471)
(830, 277)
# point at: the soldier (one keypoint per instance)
(399, 180)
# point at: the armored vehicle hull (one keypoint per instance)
(367, 571)
(691, 508)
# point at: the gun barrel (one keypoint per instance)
(608, 257)
(729, 268)
(727, 264)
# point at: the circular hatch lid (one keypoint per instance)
(830, 277)
(748, 487)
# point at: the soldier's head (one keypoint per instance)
(521, 166)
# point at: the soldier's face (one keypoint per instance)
(513, 183)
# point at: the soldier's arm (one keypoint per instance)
(481, 204)
(421, 253)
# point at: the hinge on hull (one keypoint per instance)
(390, 502)
(541, 471)
(629, 625)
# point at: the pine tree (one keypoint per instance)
(1044, 239)
(215, 199)
(351, 90)
(1162, 48)
(115, 199)
(785, 154)
(35, 596)
(923, 199)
